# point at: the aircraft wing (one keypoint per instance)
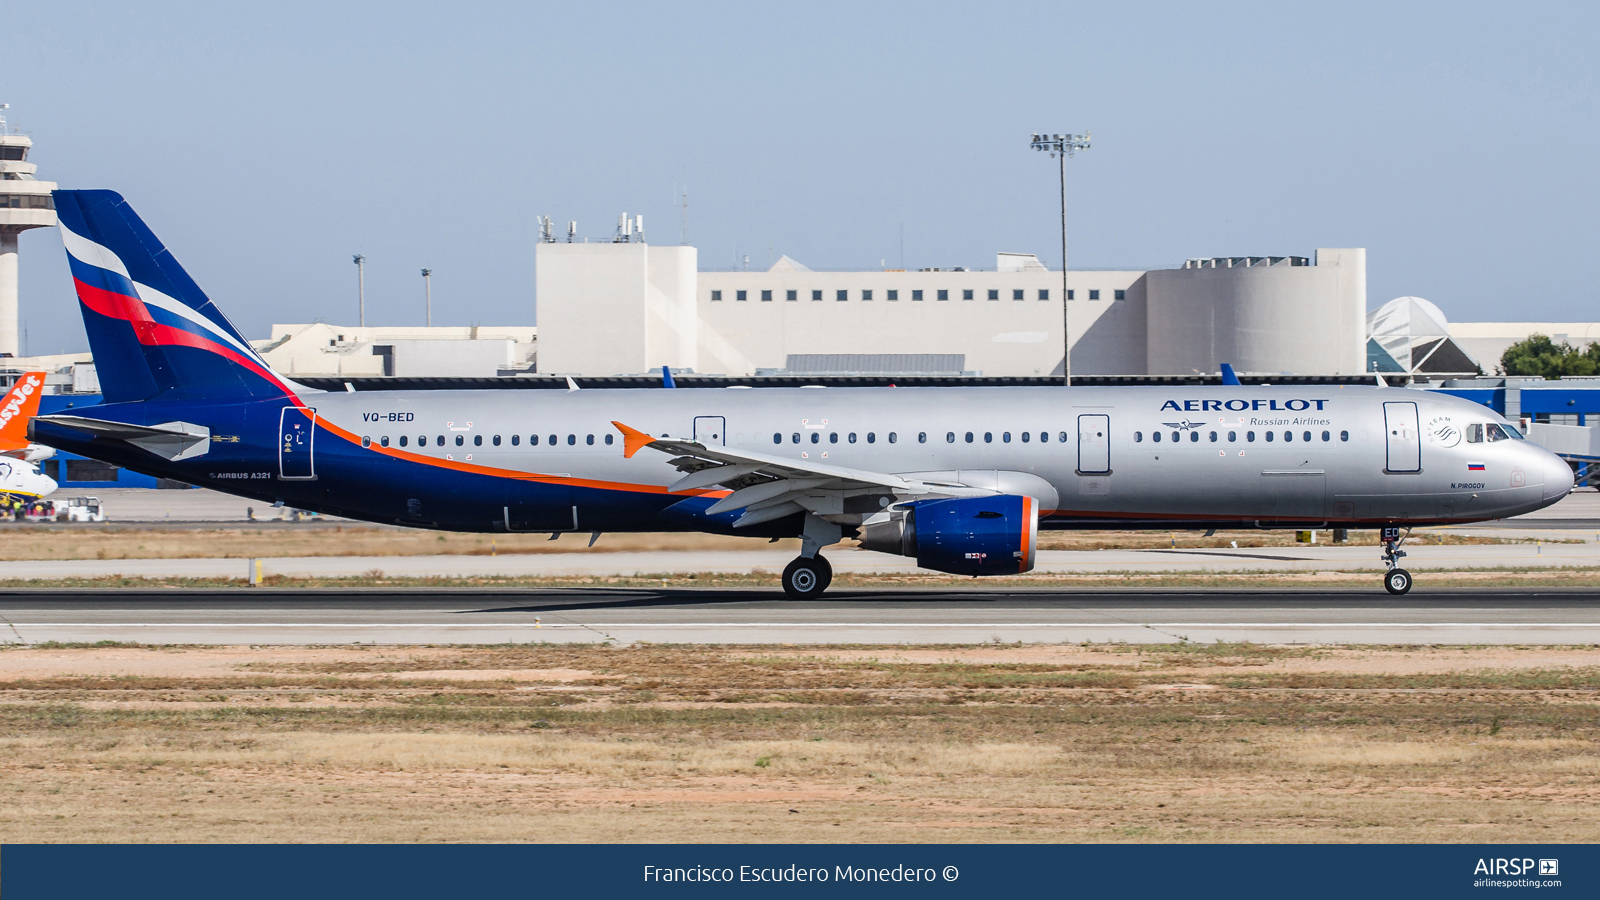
(770, 487)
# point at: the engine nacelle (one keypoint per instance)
(963, 536)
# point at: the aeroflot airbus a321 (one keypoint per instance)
(961, 478)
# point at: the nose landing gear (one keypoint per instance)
(806, 579)
(1396, 580)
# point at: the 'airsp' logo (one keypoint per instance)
(1240, 405)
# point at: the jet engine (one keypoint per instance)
(963, 535)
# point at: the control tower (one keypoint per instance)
(25, 202)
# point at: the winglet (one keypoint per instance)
(571, 385)
(1228, 377)
(666, 377)
(633, 440)
(1380, 380)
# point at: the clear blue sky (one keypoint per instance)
(266, 143)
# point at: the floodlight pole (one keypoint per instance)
(427, 287)
(361, 289)
(1062, 146)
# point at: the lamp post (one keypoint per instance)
(361, 289)
(427, 287)
(1061, 146)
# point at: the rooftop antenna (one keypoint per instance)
(572, 230)
(547, 230)
(5, 127)
(683, 233)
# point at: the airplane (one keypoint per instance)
(960, 478)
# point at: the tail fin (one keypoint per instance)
(20, 404)
(152, 330)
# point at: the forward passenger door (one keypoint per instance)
(1402, 438)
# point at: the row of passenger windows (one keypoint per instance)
(922, 437)
(477, 440)
(867, 294)
(1233, 436)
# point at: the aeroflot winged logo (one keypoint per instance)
(1241, 405)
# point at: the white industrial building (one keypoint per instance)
(470, 351)
(626, 307)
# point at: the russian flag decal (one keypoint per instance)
(1474, 467)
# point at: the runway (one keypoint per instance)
(626, 616)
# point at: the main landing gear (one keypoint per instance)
(1396, 580)
(806, 579)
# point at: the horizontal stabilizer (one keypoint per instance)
(169, 440)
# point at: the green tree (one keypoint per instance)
(1538, 355)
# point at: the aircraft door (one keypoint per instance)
(296, 435)
(1402, 437)
(711, 430)
(1094, 445)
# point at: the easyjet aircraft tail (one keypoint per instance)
(21, 403)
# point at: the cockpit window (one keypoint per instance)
(1512, 432)
(1475, 434)
(1503, 433)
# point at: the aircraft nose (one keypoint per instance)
(1558, 478)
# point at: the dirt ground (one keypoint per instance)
(664, 743)
(49, 541)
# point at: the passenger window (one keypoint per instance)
(1063, 437)
(1005, 438)
(1138, 437)
(589, 440)
(1288, 436)
(516, 439)
(461, 440)
(1176, 437)
(365, 442)
(1307, 437)
(1474, 434)
(988, 437)
(949, 437)
(833, 438)
(871, 438)
(777, 437)
(477, 440)
(1269, 436)
(1213, 437)
(402, 440)
(441, 440)
(1326, 437)
(1344, 435)
(1250, 437)
(1155, 436)
(794, 438)
(1194, 437)
(572, 440)
(892, 437)
(384, 440)
(816, 437)
(1026, 435)
(608, 440)
(1233, 436)
(497, 440)
(969, 437)
(555, 439)
(1044, 437)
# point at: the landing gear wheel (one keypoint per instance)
(1397, 581)
(806, 579)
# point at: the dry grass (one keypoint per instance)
(48, 541)
(659, 743)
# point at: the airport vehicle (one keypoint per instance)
(20, 404)
(83, 509)
(961, 479)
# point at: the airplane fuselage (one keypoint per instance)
(1094, 457)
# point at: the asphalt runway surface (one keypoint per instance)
(625, 616)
